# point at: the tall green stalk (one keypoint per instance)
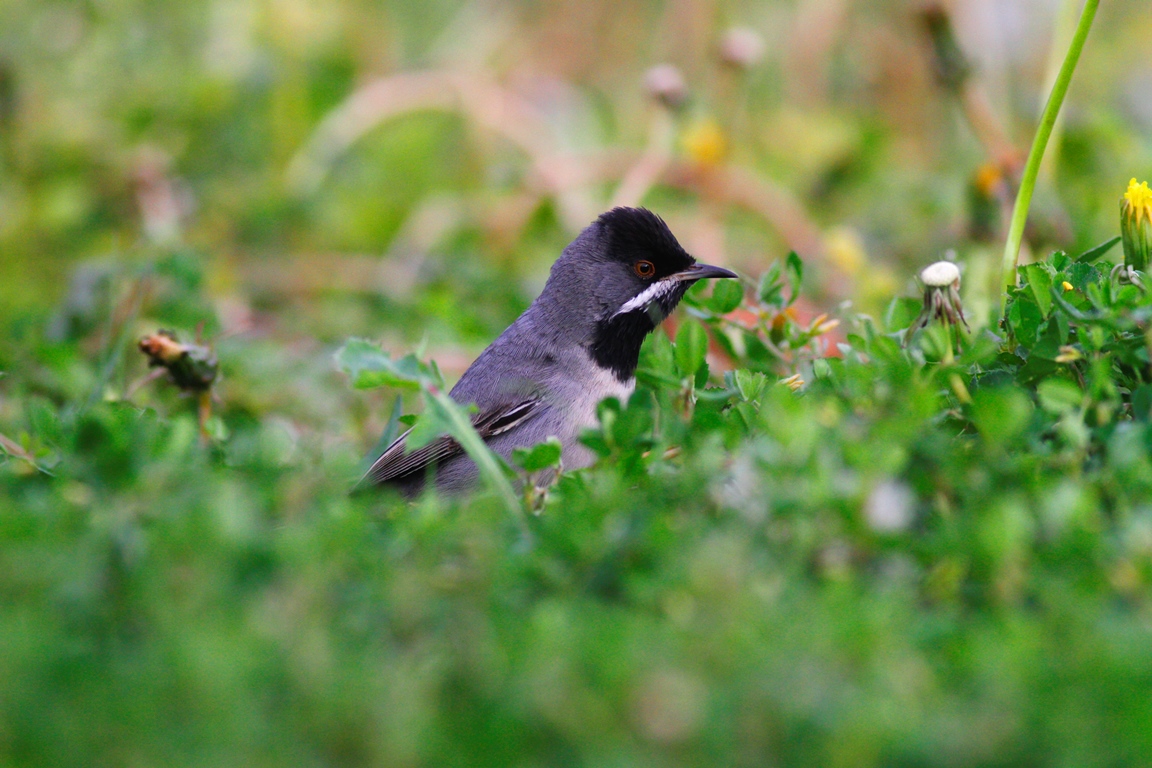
(461, 429)
(1039, 144)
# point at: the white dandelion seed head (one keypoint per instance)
(940, 275)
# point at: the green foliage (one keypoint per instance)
(368, 366)
(691, 347)
(926, 554)
(726, 296)
(542, 456)
(746, 570)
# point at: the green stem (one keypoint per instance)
(949, 355)
(464, 433)
(1039, 144)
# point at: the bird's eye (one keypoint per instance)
(644, 268)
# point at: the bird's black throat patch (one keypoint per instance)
(617, 340)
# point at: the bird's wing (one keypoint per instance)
(395, 463)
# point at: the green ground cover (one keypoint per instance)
(814, 536)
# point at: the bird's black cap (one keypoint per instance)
(637, 233)
(632, 235)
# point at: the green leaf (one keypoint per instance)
(749, 383)
(1040, 281)
(454, 418)
(1048, 341)
(657, 367)
(1097, 251)
(1142, 403)
(390, 433)
(428, 427)
(1000, 414)
(541, 456)
(1082, 275)
(1025, 318)
(691, 347)
(1059, 396)
(368, 366)
(795, 269)
(900, 313)
(702, 374)
(726, 296)
(770, 288)
(723, 339)
(697, 294)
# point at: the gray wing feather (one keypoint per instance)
(396, 464)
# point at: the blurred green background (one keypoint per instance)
(374, 165)
(284, 174)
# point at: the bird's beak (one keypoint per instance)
(699, 272)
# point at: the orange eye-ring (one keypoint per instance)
(644, 268)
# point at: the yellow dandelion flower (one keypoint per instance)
(1136, 224)
(1139, 199)
(705, 143)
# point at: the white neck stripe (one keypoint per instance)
(646, 297)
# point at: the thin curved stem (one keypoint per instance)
(1039, 144)
(486, 461)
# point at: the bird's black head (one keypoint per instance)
(628, 273)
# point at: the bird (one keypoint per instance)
(577, 344)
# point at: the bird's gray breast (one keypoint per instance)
(575, 390)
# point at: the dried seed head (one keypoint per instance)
(940, 275)
(162, 348)
(190, 366)
(941, 298)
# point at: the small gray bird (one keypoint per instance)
(577, 344)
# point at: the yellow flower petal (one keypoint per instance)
(1139, 199)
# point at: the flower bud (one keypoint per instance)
(741, 48)
(1136, 225)
(665, 84)
(952, 67)
(190, 366)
